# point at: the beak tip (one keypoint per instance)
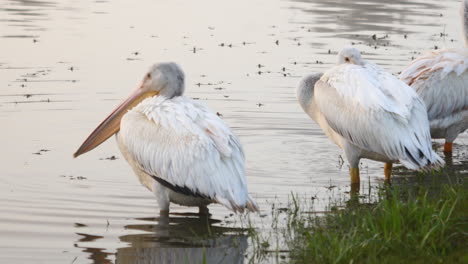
(111, 124)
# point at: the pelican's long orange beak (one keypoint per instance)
(111, 124)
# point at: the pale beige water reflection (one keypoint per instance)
(65, 64)
(183, 239)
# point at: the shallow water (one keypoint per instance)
(65, 64)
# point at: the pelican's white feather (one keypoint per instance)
(377, 113)
(441, 80)
(184, 143)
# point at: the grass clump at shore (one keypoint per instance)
(403, 226)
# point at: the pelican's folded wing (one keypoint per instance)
(184, 144)
(375, 111)
(440, 78)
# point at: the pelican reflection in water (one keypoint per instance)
(164, 239)
(182, 240)
(370, 114)
(177, 147)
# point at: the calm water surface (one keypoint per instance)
(65, 64)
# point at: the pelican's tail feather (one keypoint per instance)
(252, 206)
(418, 160)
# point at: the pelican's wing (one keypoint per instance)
(440, 78)
(375, 111)
(189, 148)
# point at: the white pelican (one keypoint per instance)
(177, 147)
(440, 77)
(369, 113)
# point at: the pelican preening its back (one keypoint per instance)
(440, 78)
(369, 113)
(178, 148)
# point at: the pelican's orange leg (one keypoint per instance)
(388, 170)
(448, 146)
(354, 172)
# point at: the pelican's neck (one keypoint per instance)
(305, 93)
(172, 90)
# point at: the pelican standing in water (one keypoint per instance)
(178, 148)
(440, 77)
(369, 113)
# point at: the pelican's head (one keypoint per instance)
(165, 79)
(350, 55)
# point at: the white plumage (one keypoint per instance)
(182, 142)
(179, 149)
(441, 80)
(369, 113)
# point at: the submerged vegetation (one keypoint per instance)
(403, 224)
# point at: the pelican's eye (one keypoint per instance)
(346, 59)
(148, 76)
